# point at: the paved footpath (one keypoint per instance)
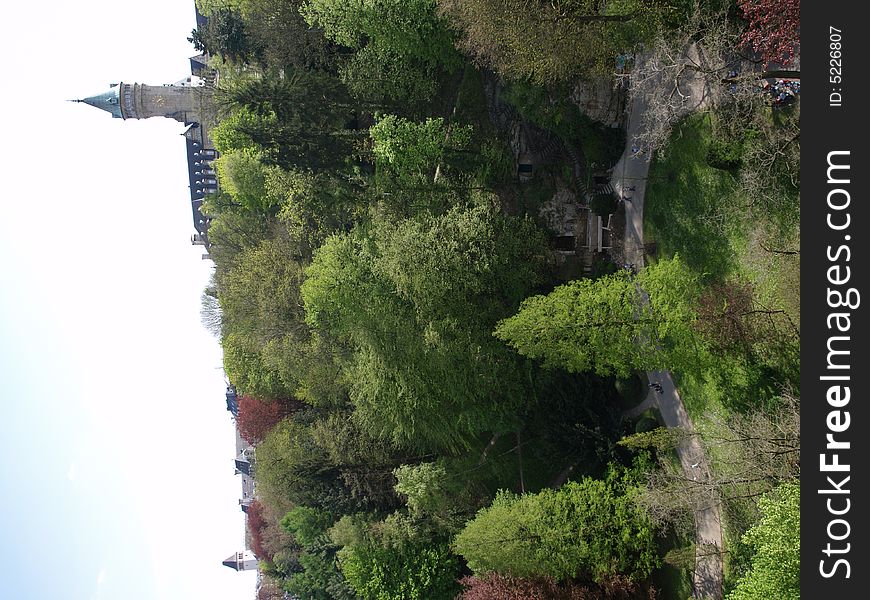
(632, 171)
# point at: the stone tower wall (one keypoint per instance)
(182, 103)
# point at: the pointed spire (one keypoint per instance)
(108, 101)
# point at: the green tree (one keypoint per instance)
(411, 151)
(615, 324)
(775, 541)
(546, 41)
(260, 294)
(382, 76)
(587, 529)
(225, 35)
(416, 300)
(404, 26)
(401, 46)
(410, 572)
(244, 366)
(242, 176)
(307, 525)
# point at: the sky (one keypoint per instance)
(118, 477)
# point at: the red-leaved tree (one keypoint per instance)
(493, 586)
(774, 28)
(257, 417)
(256, 525)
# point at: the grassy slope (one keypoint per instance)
(700, 213)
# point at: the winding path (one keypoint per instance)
(631, 172)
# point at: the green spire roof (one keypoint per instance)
(108, 101)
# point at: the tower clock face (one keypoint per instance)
(160, 100)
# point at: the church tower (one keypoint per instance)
(180, 101)
(242, 561)
(188, 101)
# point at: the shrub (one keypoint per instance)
(587, 529)
(724, 154)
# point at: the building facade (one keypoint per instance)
(188, 101)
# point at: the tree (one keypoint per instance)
(242, 176)
(259, 295)
(773, 28)
(775, 542)
(244, 366)
(290, 465)
(317, 100)
(257, 417)
(608, 325)
(416, 300)
(401, 47)
(682, 71)
(224, 35)
(285, 39)
(307, 525)
(410, 151)
(382, 76)
(551, 40)
(762, 450)
(493, 586)
(410, 572)
(210, 310)
(406, 27)
(586, 529)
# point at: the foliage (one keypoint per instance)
(407, 27)
(423, 486)
(259, 295)
(242, 176)
(724, 154)
(493, 586)
(410, 572)
(257, 417)
(400, 46)
(291, 465)
(550, 41)
(256, 523)
(245, 367)
(773, 29)
(225, 35)
(411, 151)
(587, 529)
(231, 133)
(607, 325)
(308, 525)
(416, 299)
(319, 578)
(313, 205)
(379, 75)
(775, 540)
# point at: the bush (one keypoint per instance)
(493, 586)
(411, 572)
(590, 529)
(726, 155)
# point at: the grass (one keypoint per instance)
(692, 209)
(702, 214)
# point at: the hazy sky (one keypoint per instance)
(118, 479)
